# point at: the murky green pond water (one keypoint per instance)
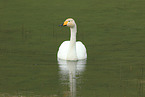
(36, 72)
(113, 33)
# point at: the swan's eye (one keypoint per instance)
(68, 21)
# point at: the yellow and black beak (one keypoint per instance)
(64, 24)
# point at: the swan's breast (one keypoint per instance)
(80, 50)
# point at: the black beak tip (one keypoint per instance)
(61, 25)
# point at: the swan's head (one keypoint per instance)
(69, 22)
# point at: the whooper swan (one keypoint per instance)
(72, 50)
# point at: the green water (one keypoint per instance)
(113, 32)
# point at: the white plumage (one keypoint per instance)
(80, 50)
(72, 50)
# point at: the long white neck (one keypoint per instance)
(72, 55)
(73, 35)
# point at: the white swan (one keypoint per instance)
(71, 50)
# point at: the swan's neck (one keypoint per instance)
(73, 36)
(72, 55)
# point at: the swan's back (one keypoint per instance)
(80, 50)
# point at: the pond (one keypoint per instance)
(31, 68)
(113, 33)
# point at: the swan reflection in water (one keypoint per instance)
(70, 72)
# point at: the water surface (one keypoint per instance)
(113, 33)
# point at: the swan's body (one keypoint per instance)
(72, 50)
(80, 51)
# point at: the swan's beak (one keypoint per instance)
(64, 24)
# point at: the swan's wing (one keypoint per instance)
(81, 50)
(63, 49)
